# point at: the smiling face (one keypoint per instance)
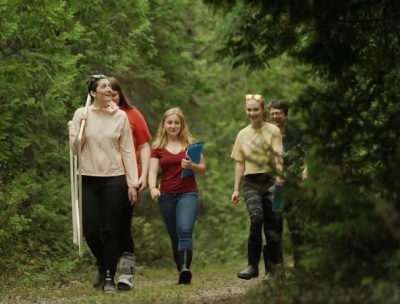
(103, 93)
(278, 116)
(254, 111)
(172, 125)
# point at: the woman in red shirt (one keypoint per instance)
(177, 196)
(141, 138)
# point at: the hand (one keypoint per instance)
(235, 197)
(186, 163)
(155, 193)
(304, 174)
(132, 195)
(83, 117)
(279, 181)
(142, 183)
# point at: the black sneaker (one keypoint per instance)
(248, 273)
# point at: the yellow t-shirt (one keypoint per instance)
(257, 148)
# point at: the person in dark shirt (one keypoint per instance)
(292, 154)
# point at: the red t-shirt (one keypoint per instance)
(171, 170)
(140, 131)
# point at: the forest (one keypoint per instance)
(336, 63)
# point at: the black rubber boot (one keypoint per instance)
(185, 259)
(109, 284)
(176, 258)
(248, 273)
(99, 279)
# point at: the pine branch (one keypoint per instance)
(23, 46)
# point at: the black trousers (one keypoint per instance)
(102, 201)
(259, 206)
(125, 238)
(296, 227)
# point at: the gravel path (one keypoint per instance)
(210, 290)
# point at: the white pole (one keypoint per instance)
(76, 205)
(72, 166)
(80, 229)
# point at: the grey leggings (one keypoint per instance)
(259, 206)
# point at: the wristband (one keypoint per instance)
(236, 190)
(153, 188)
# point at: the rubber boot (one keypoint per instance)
(253, 258)
(269, 271)
(109, 284)
(248, 273)
(185, 259)
(100, 276)
(127, 265)
(176, 258)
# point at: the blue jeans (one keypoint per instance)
(179, 212)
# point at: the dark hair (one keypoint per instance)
(280, 105)
(93, 81)
(123, 101)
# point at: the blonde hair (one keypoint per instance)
(258, 98)
(162, 139)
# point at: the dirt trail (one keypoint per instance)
(206, 288)
(211, 291)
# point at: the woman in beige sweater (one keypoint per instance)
(107, 147)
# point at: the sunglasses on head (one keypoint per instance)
(98, 76)
(95, 77)
(256, 97)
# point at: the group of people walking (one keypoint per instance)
(117, 163)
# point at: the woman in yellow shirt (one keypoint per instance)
(257, 151)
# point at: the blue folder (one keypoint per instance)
(194, 152)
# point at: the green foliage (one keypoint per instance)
(290, 291)
(164, 54)
(12, 223)
(47, 49)
(351, 117)
(335, 62)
